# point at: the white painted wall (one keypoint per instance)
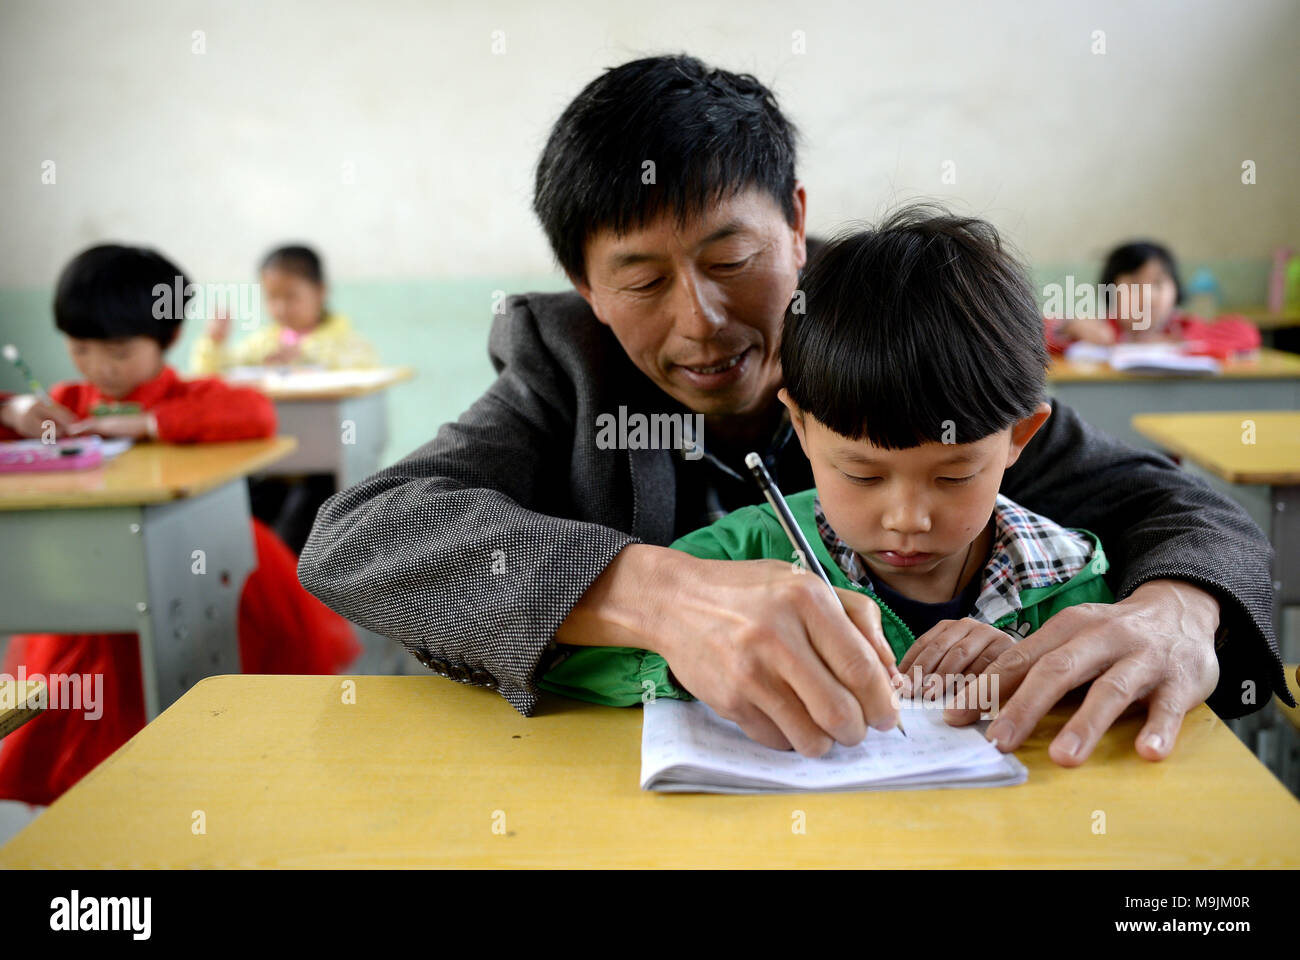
(214, 156)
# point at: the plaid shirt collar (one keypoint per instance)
(1028, 551)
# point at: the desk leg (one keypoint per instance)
(344, 437)
(198, 553)
(360, 459)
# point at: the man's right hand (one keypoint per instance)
(27, 413)
(764, 645)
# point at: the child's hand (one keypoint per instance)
(953, 647)
(219, 327)
(137, 426)
(27, 414)
(1089, 330)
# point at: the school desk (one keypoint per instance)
(340, 419)
(1293, 681)
(1107, 399)
(1258, 452)
(262, 771)
(1268, 320)
(157, 542)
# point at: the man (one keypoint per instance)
(668, 193)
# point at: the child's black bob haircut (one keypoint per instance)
(112, 292)
(296, 259)
(710, 134)
(1133, 256)
(923, 329)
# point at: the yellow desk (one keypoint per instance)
(340, 418)
(1246, 447)
(419, 771)
(1293, 681)
(1268, 365)
(1268, 320)
(1108, 399)
(157, 542)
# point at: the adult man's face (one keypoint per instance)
(698, 307)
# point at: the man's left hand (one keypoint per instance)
(1156, 646)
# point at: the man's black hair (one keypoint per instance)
(297, 259)
(710, 133)
(1133, 256)
(112, 292)
(921, 329)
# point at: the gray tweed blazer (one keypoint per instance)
(473, 549)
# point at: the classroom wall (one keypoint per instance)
(390, 135)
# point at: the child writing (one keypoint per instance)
(303, 331)
(1147, 292)
(913, 379)
(106, 309)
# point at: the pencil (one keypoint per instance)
(802, 548)
(13, 356)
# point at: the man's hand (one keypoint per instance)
(954, 647)
(1154, 647)
(764, 646)
(137, 426)
(26, 415)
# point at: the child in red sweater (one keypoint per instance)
(107, 307)
(1144, 277)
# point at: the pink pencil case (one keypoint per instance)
(24, 456)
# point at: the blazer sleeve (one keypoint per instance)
(626, 676)
(461, 550)
(1159, 522)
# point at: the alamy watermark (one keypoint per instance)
(1129, 302)
(60, 691)
(951, 691)
(656, 431)
(178, 300)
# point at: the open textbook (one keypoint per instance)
(687, 748)
(1158, 358)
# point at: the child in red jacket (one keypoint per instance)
(1144, 276)
(117, 329)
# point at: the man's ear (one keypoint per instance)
(1022, 431)
(796, 417)
(584, 291)
(800, 225)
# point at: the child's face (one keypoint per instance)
(910, 514)
(1133, 304)
(294, 301)
(116, 367)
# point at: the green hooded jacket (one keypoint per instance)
(625, 676)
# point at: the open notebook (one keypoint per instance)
(687, 748)
(1162, 358)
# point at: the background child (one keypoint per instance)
(1148, 291)
(914, 379)
(303, 330)
(104, 306)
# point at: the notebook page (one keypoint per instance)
(689, 734)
